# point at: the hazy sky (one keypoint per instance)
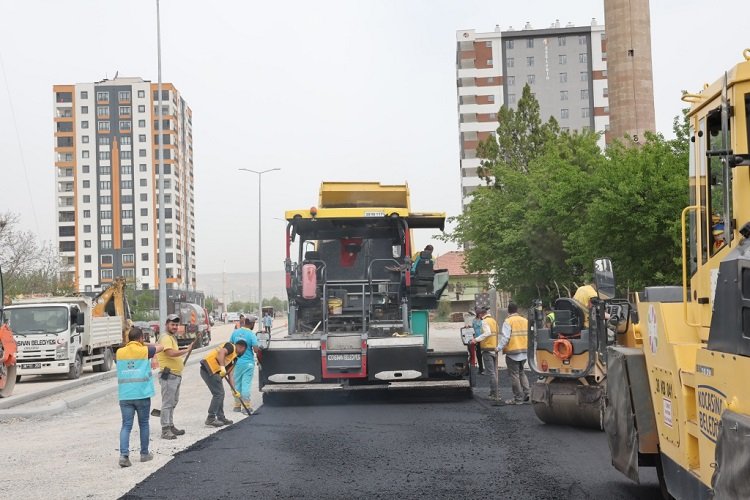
(324, 90)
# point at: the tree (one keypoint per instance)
(211, 303)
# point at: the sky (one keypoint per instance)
(323, 90)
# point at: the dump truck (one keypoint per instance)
(7, 350)
(569, 355)
(679, 400)
(63, 335)
(358, 305)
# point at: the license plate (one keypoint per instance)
(344, 360)
(31, 365)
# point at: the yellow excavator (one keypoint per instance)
(113, 302)
(680, 400)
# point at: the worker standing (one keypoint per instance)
(170, 377)
(488, 344)
(267, 322)
(240, 322)
(245, 368)
(213, 369)
(476, 324)
(135, 388)
(514, 342)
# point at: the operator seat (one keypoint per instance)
(424, 274)
(569, 318)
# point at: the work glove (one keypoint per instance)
(237, 394)
(222, 372)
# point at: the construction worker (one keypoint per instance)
(238, 324)
(514, 343)
(549, 318)
(267, 322)
(243, 372)
(718, 233)
(476, 324)
(487, 341)
(171, 363)
(135, 388)
(428, 249)
(583, 296)
(213, 370)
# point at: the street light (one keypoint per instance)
(162, 235)
(260, 260)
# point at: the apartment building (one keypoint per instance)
(565, 67)
(106, 168)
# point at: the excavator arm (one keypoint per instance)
(114, 302)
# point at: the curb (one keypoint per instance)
(61, 406)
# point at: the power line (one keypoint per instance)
(18, 139)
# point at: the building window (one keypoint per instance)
(102, 111)
(105, 200)
(511, 81)
(142, 167)
(86, 184)
(141, 123)
(606, 109)
(530, 43)
(128, 258)
(127, 214)
(104, 155)
(604, 73)
(106, 244)
(530, 61)
(87, 259)
(144, 227)
(84, 94)
(126, 155)
(531, 79)
(106, 229)
(141, 108)
(144, 212)
(87, 274)
(584, 112)
(128, 273)
(84, 110)
(581, 39)
(605, 92)
(126, 140)
(101, 125)
(142, 138)
(86, 198)
(510, 62)
(509, 44)
(86, 243)
(583, 58)
(104, 170)
(584, 94)
(103, 140)
(564, 113)
(105, 185)
(489, 62)
(144, 242)
(604, 56)
(126, 184)
(141, 93)
(143, 182)
(85, 139)
(126, 170)
(102, 96)
(85, 169)
(106, 274)
(563, 77)
(87, 214)
(141, 153)
(584, 76)
(124, 95)
(563, 95)
(125, 110)
(561, 41)
(144, 271)
(124, 125)
(511, 98)
(562, 59)
(86, 228)
(144, 197)
(84, 154)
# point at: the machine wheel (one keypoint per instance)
(76, 368)
(562, 406)
(108, 359)
(662, 481)
(10, 381)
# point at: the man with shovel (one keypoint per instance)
(213, 369)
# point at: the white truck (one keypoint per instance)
(60, 335)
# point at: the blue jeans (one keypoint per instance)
(243, 379)
(128, 409)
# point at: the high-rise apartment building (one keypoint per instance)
(565, 67)
(106, 168)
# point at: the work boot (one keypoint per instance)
(527, 399)
(166, 433)
(124, 461)
(225, 420)
(176, 431)
(147, 457)
(214, 422)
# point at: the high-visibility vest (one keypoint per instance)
(519, 331)
(211, 361)
(134, 379)
(490, 343)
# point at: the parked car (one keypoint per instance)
(149, 334)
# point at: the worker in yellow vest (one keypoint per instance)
(514, 342)
(487, 341)
(213, 370)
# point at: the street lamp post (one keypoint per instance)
(260, 259)
(162, 240)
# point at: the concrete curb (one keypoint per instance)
(64, 405)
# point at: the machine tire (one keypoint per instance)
(76, 368)
(108, 360)
(662, 481)
(10, 383)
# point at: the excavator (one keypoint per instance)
(7, 350)
(678, 399)
(113, 302)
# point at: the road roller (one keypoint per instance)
(569, 355)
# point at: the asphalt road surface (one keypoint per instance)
(405, 445)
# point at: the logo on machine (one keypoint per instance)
(711, 404)
(652, 338)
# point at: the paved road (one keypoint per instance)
(395, 446)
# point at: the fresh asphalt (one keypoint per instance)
(396, 445)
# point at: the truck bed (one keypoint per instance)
(105, 331)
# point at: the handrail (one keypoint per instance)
(684, 265)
